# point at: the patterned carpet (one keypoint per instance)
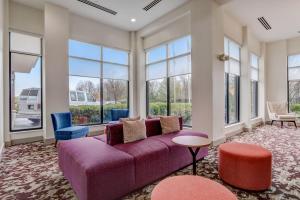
(31, 172)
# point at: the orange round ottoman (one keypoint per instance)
(246, 166)
(190, 188)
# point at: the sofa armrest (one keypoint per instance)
(95, 169)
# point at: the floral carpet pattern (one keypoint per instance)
(30, 171)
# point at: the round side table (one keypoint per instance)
(191, 142)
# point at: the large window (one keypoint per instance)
(168, 74)
(25, 82)
(294, 83)
(254, 65)
(232, 81)
(98, 82)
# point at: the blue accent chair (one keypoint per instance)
(63, 129)
(116, 114)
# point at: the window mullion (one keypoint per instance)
(227, 98)
(168, 80)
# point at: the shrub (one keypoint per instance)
(295, 108)
(90, 114)
(179, 109)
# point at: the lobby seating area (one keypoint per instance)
(149, 100)
(105, 168)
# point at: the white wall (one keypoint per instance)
(87, 30)
(1, 77)
(293, 46)
(276, 67)
(56, 72)
(207, 29)
(25, 18)
(176, 29)
(56, 28)
(233, 29)
(276, 71)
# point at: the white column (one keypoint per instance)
(1, 76)
(207, 71)
(141, 77)
(245, 82)
(132, 75)
(261, 84)
(56, 70)
(7, 135)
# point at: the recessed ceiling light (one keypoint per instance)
(133, 20)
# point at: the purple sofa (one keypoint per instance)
(104, 168)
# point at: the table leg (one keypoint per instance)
(194, 155)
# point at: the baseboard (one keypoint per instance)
(233, 133)
(48, 141)
(254, 125)
(219, 141)
(26, 140)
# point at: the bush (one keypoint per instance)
(179, 109)
(90, 114)
(295, 108)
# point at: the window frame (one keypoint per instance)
(288, 79)
(10, 88)
(256, 85)
(101, 78)
(167, 77)
(237, 84)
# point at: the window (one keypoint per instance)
(232, 81)
(294, 83)
(25, 82)
(98, 82)
(168, 75)
(254, 65)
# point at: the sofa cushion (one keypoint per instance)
(153, 127)
(287, 117)
(134, 130)
(115, 131)
(91, 166)
(150, 158)
(169, 124)
(180, 156)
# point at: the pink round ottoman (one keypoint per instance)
(246, 166)
(190, 188)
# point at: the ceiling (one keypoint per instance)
(282, 15)
(127, 9)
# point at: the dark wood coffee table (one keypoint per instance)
(192, 142)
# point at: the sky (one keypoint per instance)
(28, 80)
(91, 68)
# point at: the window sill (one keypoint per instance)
(256, 119)
(234, 129)
(233, 124)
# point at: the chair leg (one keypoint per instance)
(281, 124)
(55, 143)
(272, 122)
(295, 124)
